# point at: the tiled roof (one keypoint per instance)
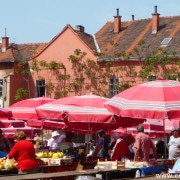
(88, 39)
(132, 32)
(20, 52)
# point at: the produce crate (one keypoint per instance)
(43, 161)
(60, 161)
(54, 161)
(105, 165)
(67, 161)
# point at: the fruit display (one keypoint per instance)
(54, 155)
(133, 164)
(53, 158)
(7, 163)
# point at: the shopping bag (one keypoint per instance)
(10, 164)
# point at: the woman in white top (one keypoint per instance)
(53, 141)
(174, 144)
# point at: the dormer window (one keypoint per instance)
(165, 41)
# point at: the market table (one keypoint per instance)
(152, 170)
(55, 168)
(106, 174)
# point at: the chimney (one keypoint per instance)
(117, 22)
(80, 28)
(5, 42)
(133, 17)
(155, 21)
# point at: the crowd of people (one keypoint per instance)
(118, 147)
(137, 148)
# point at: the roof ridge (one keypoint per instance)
(145, 19)
(31, 43)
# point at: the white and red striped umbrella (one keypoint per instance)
(25, 109)
(158, 99)
(83, 112)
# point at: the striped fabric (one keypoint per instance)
(158, 99)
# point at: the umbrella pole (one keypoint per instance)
(164, 138)
(42, 134)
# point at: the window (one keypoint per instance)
(113, 86)
(165, 41)
(152, 78)
(40, 88)
(1, 87)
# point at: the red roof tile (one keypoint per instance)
(134, 31)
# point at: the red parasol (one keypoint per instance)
(158, 99)
(46, 124)
(25, 109)
(11, 123)
(82, 112)
(5, 113)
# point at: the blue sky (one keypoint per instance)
(36, 21)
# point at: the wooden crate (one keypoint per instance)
(105, 165)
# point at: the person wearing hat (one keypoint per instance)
(142, 145)
(53, 141)
(174, 144)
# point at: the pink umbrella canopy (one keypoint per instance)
(83, 112)
(5, 113)
(87, 108)
(46, 124)
(158, 99)
(11, 123)
(25, 109)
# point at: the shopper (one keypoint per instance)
(117, 138)
(5, 145)
(142, 145)
(122, 150)
(102, 145)
(24, 153)
(174, 144)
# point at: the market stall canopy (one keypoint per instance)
(11, 123)
(5, 113)
(29, 131)
(158, 99)
(83, 112)
(46, 124)
(25, 109)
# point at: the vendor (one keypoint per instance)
(24, 153)
(53, 141)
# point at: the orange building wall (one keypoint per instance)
(60, 50)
